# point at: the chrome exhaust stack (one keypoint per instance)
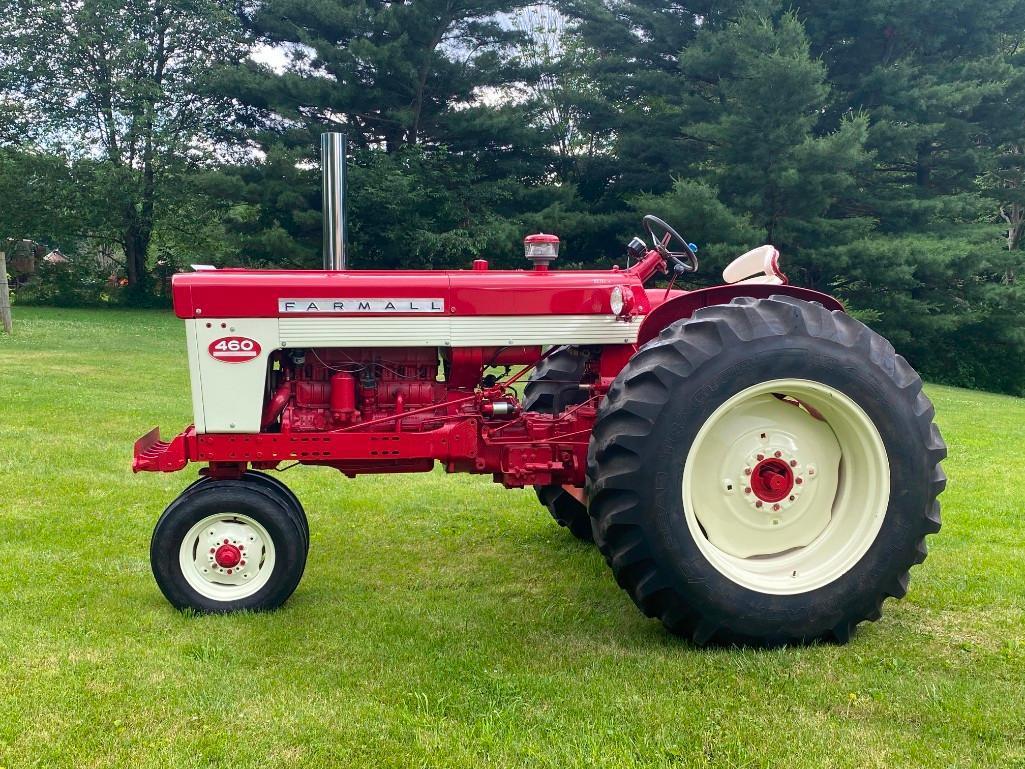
(332, 168)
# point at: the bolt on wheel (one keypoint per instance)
(227, 557)
(785, 486)
(228, 545)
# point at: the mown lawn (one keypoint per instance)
(444, 621)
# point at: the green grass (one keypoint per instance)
(445, 621)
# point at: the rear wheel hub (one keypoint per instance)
(772, 480)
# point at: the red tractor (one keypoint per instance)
(755, 465)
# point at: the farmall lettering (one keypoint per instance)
(353, 305)
(712, 443)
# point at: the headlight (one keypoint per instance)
(616, 301)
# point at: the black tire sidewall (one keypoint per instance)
(541, 388)
(216, 497)
(742, 611)
(288, 497)
(271, 485)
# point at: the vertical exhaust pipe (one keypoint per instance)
(332, 168)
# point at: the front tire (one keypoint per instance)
(228, 545)
(765, 472)
(272, 485)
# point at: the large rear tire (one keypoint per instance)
(554, 386)
(567, 511)
(765, 472)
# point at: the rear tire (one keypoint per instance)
(567, 511)
(228, 545)
(553, 386)
(765, 472)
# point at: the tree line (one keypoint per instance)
(880, 147)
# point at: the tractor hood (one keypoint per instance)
(237, 293)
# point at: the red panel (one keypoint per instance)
(685, 305)
(255, 293)
(531, 292)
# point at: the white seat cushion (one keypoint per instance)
(759, 265)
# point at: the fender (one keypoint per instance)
(685, 305)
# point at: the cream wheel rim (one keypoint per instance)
(786, 486)
(227, 557)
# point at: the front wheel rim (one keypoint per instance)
(785, 486)
(227, 557)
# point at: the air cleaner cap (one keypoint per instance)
(542, 249)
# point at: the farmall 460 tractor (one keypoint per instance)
(754, 464)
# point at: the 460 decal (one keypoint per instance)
(234, 349)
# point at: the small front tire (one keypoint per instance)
(228, 545)
(274, 486)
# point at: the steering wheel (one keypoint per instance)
(683, 261)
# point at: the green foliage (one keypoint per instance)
(760, 97)
(391, 73)
(78, 283)
(879, 147)
(119, 90)
(34, 190)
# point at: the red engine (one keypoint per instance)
(317, 390)
(326, 389)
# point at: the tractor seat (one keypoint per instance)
(759, 265)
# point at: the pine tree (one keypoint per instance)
(441, 168)
(758, 98)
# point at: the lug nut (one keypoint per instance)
(758, 503)
(798, 481)
(775, 507)
(778, 454)
(793, 463)
(747, 489)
